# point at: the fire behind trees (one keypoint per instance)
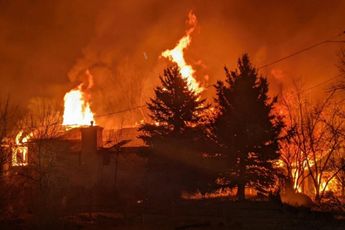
(312, 154)
(256, 139)
(244, 131)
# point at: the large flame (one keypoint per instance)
(176, 55)
(77, 111)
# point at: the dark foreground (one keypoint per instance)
(194, 215)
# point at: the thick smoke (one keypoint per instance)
(46, 46)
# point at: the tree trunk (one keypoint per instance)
(241, 191)
(317, 199)
(317, 194)
(241, 184)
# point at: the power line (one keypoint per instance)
(323, 82)
(304, 50)
(121, 111)
(301, 51)
(142, 106)
(298, 52)
(329, 40)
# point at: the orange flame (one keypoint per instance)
(20, 150)
(77, 110)
(330, 185)
(219, 193)
(176, 55)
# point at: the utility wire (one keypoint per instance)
(323, 82)
(121, 111)
(142, 106)
(266, 65)
(329, 40)
(298, 52)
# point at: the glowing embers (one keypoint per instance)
(176, 55)
(20, 150)
(77, 110)
(226, 192)
(219, 193)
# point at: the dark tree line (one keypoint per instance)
(244, 131)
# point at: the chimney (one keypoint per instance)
(91, 139)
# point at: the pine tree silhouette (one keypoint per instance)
(246, 129)
(175, 135)
(176, 111)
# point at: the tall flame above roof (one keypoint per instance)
(77, 110)
(176, 55)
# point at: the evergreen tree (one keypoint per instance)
(246, 129)
(175, 136)
(176, 111)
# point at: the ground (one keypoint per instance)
(203, 215)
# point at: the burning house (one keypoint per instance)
(72, 162)
(80, 168)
